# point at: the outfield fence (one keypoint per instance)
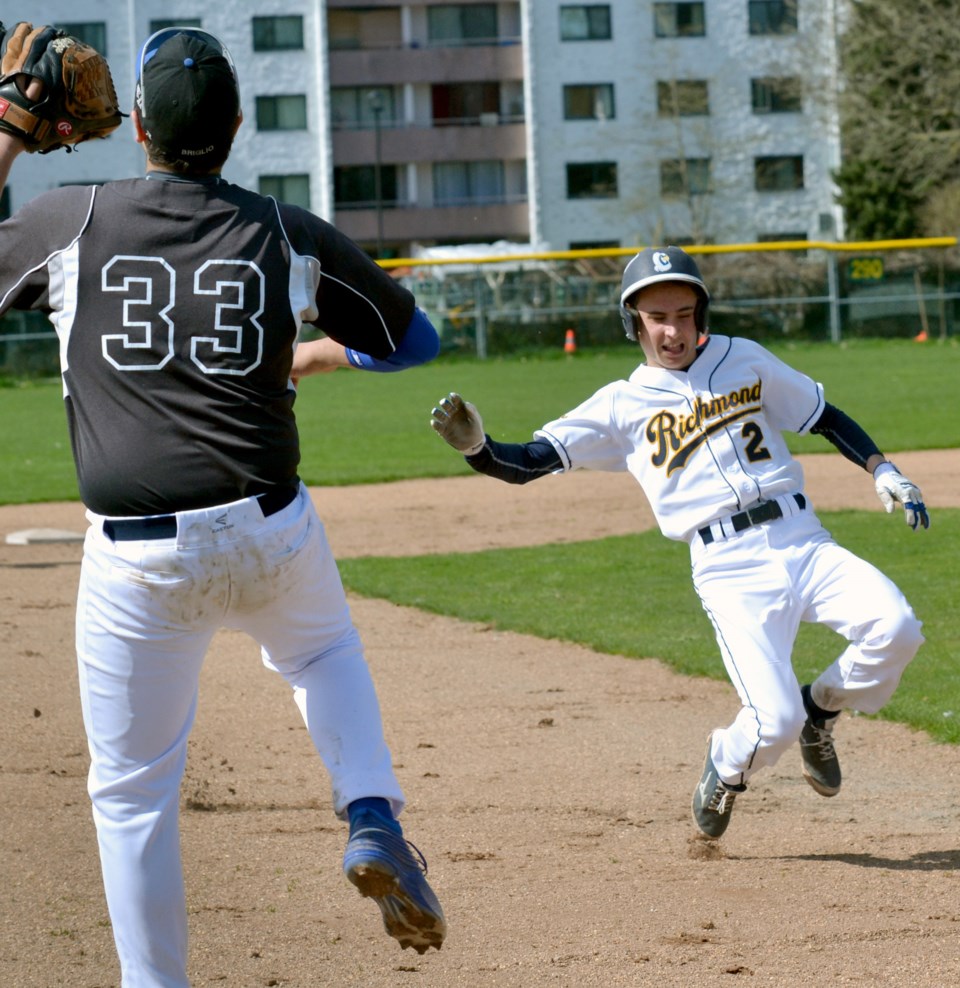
(505, 301)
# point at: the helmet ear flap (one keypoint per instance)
(700, 315)
(631, 321)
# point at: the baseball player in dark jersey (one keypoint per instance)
(700, 427)
(178, 300)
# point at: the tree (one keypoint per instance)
(900, 115)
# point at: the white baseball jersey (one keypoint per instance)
(704, 442)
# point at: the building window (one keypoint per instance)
(164, 23)
(776, 95)
(592, 180)
(679, 20)
(281, 113)
(470, 24)
(773, 16)
(278, 33)
(92, 33)
(588, 102)
(684, 176)
(594, 244)
(778, 173)
(463, 183)
(294, 189)
(464, 102)
(351, 107)
(355, 186)
(585, 22)
(683, 98)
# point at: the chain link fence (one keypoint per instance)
(499, 304)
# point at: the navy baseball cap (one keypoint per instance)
(187, 95)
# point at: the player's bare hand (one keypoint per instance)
(458, 423)
(893, 489)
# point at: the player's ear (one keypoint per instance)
(236, 126)
(138, 132)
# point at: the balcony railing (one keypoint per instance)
(478, 120)
(412, 63)
(354, 44)
(492, 200)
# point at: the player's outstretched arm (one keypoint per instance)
(458, 423)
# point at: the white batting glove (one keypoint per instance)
(458, 423)
(893, 489)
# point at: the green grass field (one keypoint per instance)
(632, 596)
(363, 428)
(628, 596)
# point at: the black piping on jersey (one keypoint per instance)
(709, 448)
(746, 472)
(733, 489)
(516, 463)
(680, 459)
(329, 277)
(841, 430)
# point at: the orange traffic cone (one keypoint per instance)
(570, 344)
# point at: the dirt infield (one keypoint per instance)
(549, 788)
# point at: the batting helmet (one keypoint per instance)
(655, 264)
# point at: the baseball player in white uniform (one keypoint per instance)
(700, 426)
(179, 299)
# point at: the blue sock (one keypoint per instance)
(377, 805)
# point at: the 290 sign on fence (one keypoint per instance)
(866, 269)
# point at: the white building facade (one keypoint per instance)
(704, 121)
(559, 124)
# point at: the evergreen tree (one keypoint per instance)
(900, 117)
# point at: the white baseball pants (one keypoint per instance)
(757, 587)
(146, 614)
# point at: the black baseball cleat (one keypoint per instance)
(713, 798)
(379, 862)
(821, 767)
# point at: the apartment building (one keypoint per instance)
(557, 124)
(708, 121)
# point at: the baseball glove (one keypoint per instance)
(78, 101)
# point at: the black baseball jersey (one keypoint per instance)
(178, 305)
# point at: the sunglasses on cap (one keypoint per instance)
(153, 43)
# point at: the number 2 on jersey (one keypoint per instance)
(756, 451)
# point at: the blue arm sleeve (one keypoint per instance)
(419, 345)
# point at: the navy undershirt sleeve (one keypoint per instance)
(837, 427)
(516, 463)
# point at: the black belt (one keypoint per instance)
(767, 511)
(165, 526)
